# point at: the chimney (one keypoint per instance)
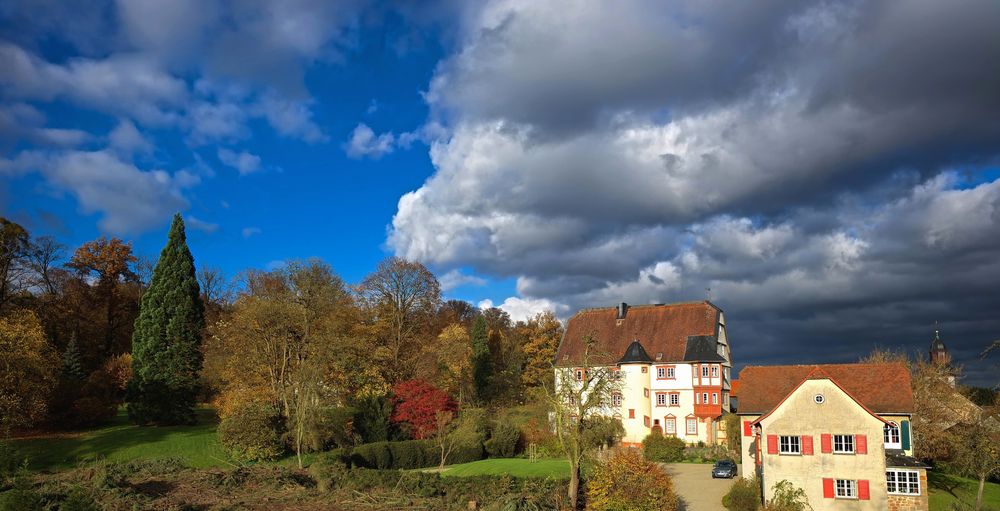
(622, 309)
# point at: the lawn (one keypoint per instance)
(947, 489)
(515, 467)
(197, 445)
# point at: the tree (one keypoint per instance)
(401, 298)
(452, 354)
(976, 447)
(29, 370)
(574, 404)
(482, 366)
(442, 435)
(14, 243)
(43, 255)
(72, 364)
(166, 344)
(108, 262)
(627, 481)
(416, 405)
(542, 335)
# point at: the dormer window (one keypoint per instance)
(578, 374)
(891, 434)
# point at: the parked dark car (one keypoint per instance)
(724, 468)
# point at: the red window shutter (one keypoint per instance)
(807, 445)
(827, 488)
(860, 444)
(772, 444)
(826, 443)
(747, 429)
(863, 493)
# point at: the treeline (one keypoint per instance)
(299, 338)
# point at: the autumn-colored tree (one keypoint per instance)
(401, 299)
(29, 369)
(166, 345)
(288, 342)
(627, 481)
(541, 334)
(416, 404)
(14, 247)
(452, 355)
(108, 264)
(976, 448)
(482, 363)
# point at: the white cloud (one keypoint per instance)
(201, 225)
(521, 309)
(244, 162)
(455, 278)
(365, 143)
(20, 121)
(251, 231)
(126, 139)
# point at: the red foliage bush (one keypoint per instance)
(416, 403)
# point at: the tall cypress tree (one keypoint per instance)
(166, 343)
(482, 366)
(72, 364)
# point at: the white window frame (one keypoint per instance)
(661, 372)
(674, 399)
(843, 444)
(715, 398)
(704, 371)
(670, 425)
(704, 398)
(845, 489)
(659, 396)
(790, 445)
(893, 483)
(616, 399)
(688, 422)
(715, 371)
(578, 374)
(888, 432)
(671, 372)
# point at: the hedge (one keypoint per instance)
(408, 454)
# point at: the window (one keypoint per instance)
(843, 444)
(715, 371)
(846, 488)
(704, 371)
(789, 445)
(891, 431)
(571, 399)
(616, 374)
(661, 399)
(645, 369)
(692, 426)
(675, 399)
(670, 426)
(704, 398)
(661, 372)
(578, 374)
(671, 372)
(715, 398)
(819, 399)
(645, 420)
(616, 399)
(902, 482)
(631, 413)
(645, 392)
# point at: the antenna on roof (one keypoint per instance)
(708, 294)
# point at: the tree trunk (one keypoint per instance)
(979, 494)
(574, 486)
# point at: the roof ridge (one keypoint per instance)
(648, 305)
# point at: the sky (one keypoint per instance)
(827, 173)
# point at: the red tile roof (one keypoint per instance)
(882, 388)
(734, 388)
(660, 328)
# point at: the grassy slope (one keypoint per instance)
(515, 467)
(198, 445)
(947, 489)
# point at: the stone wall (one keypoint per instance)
(912, 503)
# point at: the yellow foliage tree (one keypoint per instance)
(542, 335)
(452, 354)
(29, 368)
(628, 481)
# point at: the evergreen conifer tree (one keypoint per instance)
(482, 366)
(166, 354)
(72, 363)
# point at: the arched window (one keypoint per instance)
(891, 433)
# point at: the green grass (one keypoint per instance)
(197, 445)
(514, 467)
(947, 489)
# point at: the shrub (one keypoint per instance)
(373, 455)
(787, 498)
(627, 481)
(10, 462)
(665, 449)
(22, 497)
(601, 432)
(503, 440)
(78, 499)
(744, 495)
(252, 432)
(411, 454)
(337, 426)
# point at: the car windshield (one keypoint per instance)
(723, 464)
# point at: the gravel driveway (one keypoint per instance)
(697, 489)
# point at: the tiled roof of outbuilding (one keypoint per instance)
(882, 388)
(662, 329)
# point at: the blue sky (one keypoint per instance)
(829, 171)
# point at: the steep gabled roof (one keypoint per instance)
(635, 353)
(882, 388)
(663, 329)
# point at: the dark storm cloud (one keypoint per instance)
(801, 160)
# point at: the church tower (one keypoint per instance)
(939, 353)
